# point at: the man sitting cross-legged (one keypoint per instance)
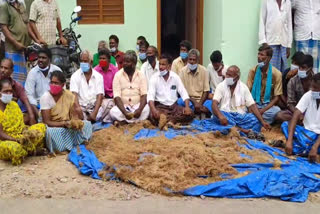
(305, 140)
(164, 87)
(130, 93)
(232, 99)
(195, 79)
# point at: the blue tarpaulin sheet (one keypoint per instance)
(293, 182)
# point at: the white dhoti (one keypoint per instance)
(103, 113)
(117, 115)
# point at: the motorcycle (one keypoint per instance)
(65, 57)
(68, 57)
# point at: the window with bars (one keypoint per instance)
(101, 11)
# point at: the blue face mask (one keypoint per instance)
(302, 74)
(142, 56)
(85, 67)
(192, 67)
(183, 55)
(315, 95)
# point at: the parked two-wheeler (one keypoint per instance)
(68, 57)
(65, 57)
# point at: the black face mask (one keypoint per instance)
(129, 70)
(151, 59)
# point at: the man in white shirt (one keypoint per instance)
(304, 140)
(38, 79)
(231, 103)
(151, 66)
(87, 85)
(276, 30)
(217, 70)
(306, 15)
(164, 87)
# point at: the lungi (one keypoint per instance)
(279, 57)
(19, 66)
(311, 47)
(174, 113)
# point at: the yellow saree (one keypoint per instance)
(13, 125)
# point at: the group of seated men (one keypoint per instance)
(183, 90)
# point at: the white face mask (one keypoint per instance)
(315, 95)
(11, 1)
(261, 64)
(163, 73)
(44, 69)
(294, 67)
(6, 98)
(229, 81)
(112, 50)
(192, 67)
(302, 74)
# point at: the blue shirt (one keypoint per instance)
(37, 84)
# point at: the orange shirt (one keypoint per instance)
(129, 92)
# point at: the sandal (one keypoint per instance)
(277, 143)
(252, 135)
(260, 137)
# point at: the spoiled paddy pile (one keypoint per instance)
(158, 164)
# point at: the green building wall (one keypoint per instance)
(140, 18)
(229, 25)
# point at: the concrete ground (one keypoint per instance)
(154, 206)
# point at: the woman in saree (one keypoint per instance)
(16, 139)
(62, 114)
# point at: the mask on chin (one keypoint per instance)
(261, 64)
(315, 95)
(294, 67)
(11, 1)
(163, 73)
(46, 69)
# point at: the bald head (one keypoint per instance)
(233, 71)
(6, 68)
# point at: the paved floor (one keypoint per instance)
(155, 206)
